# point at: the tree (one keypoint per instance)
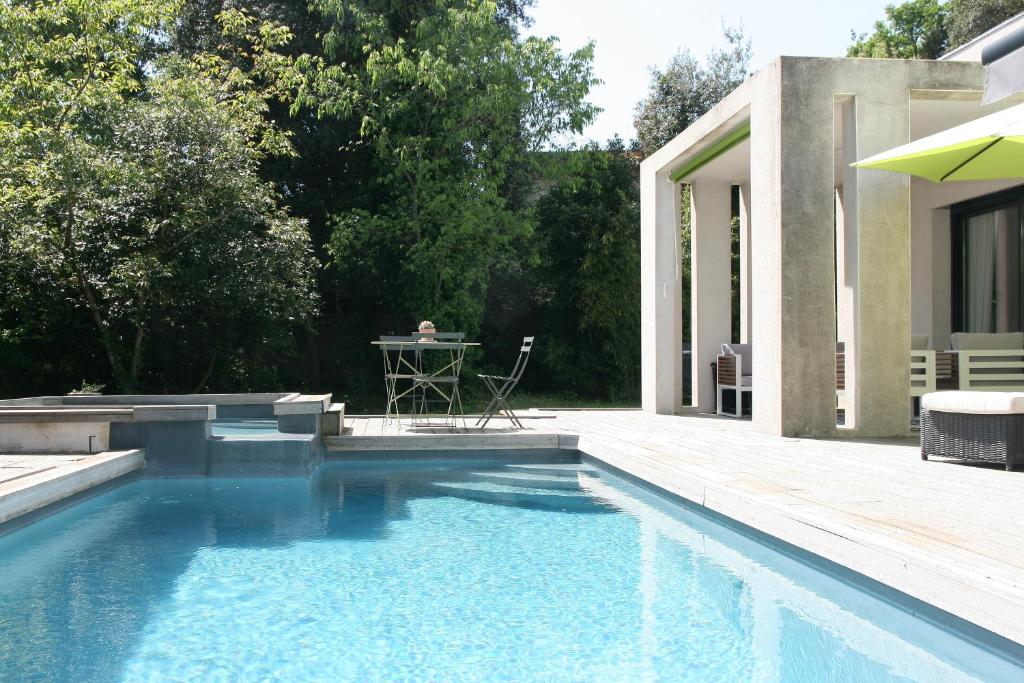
(677, 97)
(131, 189)
(913, 30)
(585, 288)
(434, 112)
(686, 90)
(968, 19)
(926, 29)
(449, 108)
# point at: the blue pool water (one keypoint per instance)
(474, 572)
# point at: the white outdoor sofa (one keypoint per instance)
(989, 362)
(974, 425)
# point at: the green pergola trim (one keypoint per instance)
(711, 153)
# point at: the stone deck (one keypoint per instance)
(373, 433)
(29, 482)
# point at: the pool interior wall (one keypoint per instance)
(811, 570)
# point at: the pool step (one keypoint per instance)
(565, 469)
(527, 479)
(517, 496)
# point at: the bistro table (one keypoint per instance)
(404, 361)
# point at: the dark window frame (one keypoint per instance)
(959, 214)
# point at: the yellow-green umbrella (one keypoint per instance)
(989, 148)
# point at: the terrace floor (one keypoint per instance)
(29, 482)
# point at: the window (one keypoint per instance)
(987, 264)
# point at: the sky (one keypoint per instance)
(631, 36)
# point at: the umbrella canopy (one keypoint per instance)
(989, 148)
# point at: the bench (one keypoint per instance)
(974, 425)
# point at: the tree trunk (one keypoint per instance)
(137, 354)
(206, 376)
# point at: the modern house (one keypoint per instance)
(829, 254)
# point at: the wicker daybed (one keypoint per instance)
(974, 425)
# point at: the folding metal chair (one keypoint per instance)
(502, 387)
(400, 364)
(442, 384)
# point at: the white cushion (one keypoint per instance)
(918, 342)
(978, 341)
(741, 350)
(975, 402)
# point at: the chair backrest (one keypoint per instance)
(524, 356)
(438, 336)
(980, 341)
(743, 350)
(397, 338)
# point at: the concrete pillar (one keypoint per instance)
(882, 360)
(942, 279)
(661, 329)
(921, 270)
(847, 269)
(711, 291)
(792, 194)
(745, 279)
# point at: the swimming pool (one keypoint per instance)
(468, 571)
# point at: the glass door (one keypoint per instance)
(988, 265)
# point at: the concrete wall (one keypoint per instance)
(931, 252)
(54, 437)
(172, 448)
(186, 449)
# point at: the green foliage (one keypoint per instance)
(968, 19)
(450, 101)
(687, 89)
(926, 29)
(587, 283)
(913, 30)
(131, 195)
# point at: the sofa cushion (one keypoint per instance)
(741, 350)
(975, 402)
(978, 341)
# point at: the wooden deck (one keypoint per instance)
(375, 434)
(949, 534)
